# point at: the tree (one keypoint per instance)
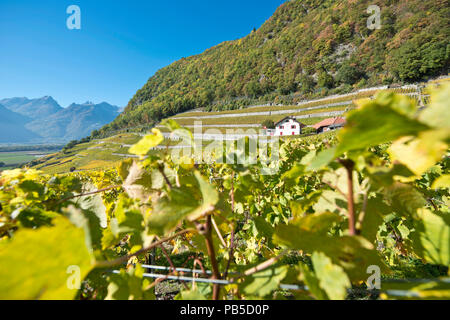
(306, 84)
(253, 89)
(325, 80)
(268, 123)
(348, 73)
(419, 57)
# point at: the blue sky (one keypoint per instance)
(120, 44)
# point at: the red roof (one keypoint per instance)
(329, 122)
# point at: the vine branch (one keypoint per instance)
(212, 255)
(121, 260)
(88, 193)
(349, 165)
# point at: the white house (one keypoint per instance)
(288, 126)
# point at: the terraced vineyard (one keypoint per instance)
(108, 152)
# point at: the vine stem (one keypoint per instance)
(231, 248)
(112, 263)
(172, 265)
(349, 166)
(161, 169)
(265, 264)
(212, 256)
(88, 193)
(216, 228)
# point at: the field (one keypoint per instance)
(18, 158)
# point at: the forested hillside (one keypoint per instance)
(307, 48)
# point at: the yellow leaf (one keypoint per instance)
(46, 263)
(148, 142)
(442, 182)
(421, 153)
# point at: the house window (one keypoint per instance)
(293, 126)
(281, 127)
(281, 133)
(293, 133)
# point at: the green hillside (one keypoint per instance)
(308, 48)
(100, 153)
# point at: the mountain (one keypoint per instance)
(12, 127)
(43, 120)
(308, 48)
(32, 108)
(74, 122)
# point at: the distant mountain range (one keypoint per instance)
(12, 127)
(43, 120)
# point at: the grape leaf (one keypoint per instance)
(148, 142)
(421, 153)
(34, 264)
(378, 121)
(332, 278)
(183, 202)
(432, 237)
(262, 283)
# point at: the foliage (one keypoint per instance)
(335, 208)
(268, 123)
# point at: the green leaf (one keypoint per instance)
(376, 210)
(386, 176)
(130, 221)
(209, 194)
(331, 201)
(300, 207)
(170, 210)
(90, 223)
(190, 295)
(264, 228)
(124, 168)
(404, 199)
(437, 113)
(181, 203)
(35, 263)
(148, 142)
(353, 253)
(378, 121)
(318, 223)
(293, 176)
(432, 237)
(129, 285)
(313, 283)
(31, 189)
(262, 283)
(322, 159)
(35, 218)
(332, 278)
(438, 289)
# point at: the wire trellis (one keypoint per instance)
(295, 287)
